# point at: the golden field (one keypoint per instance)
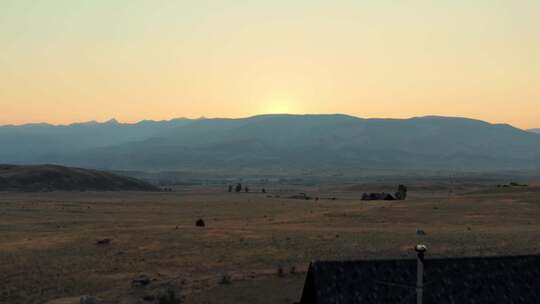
(49, 254)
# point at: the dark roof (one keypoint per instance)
(507, 279)
(377, 196)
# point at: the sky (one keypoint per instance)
(64, 61)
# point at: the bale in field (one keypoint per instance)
(200, 223)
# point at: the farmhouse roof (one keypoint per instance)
(501, 279)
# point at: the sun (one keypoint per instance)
(277, 106)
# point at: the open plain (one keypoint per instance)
(254, 248)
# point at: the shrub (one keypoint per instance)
(280, 272)
(292, 270)
(170, 298)
(401, 194)
(225, 279)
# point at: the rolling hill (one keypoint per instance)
(36, 143)
(59, 178)
(281, 143)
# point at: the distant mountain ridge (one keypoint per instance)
(37, 143)
(278, 143)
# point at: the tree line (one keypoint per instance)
(238, 188)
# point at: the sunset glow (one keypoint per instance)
(69, 61)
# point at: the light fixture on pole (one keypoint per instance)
(420, 250)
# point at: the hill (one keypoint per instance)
(534, 130)
(39, 143)
(284, 143)
(59, 178)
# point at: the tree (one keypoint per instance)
(401, 194)
(263, 190)
(238, 187)
(246, 189)
(230, 188)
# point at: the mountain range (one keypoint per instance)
(276, 143)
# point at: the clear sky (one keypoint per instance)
(63, 61)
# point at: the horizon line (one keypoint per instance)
(116, 121)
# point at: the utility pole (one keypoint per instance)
(420, 250)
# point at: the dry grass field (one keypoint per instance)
(48, 249)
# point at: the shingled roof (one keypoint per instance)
(504, 279)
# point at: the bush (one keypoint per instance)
(401, 194)
(292, 270)
(169, 298)
(225, 279)
(280, 272)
